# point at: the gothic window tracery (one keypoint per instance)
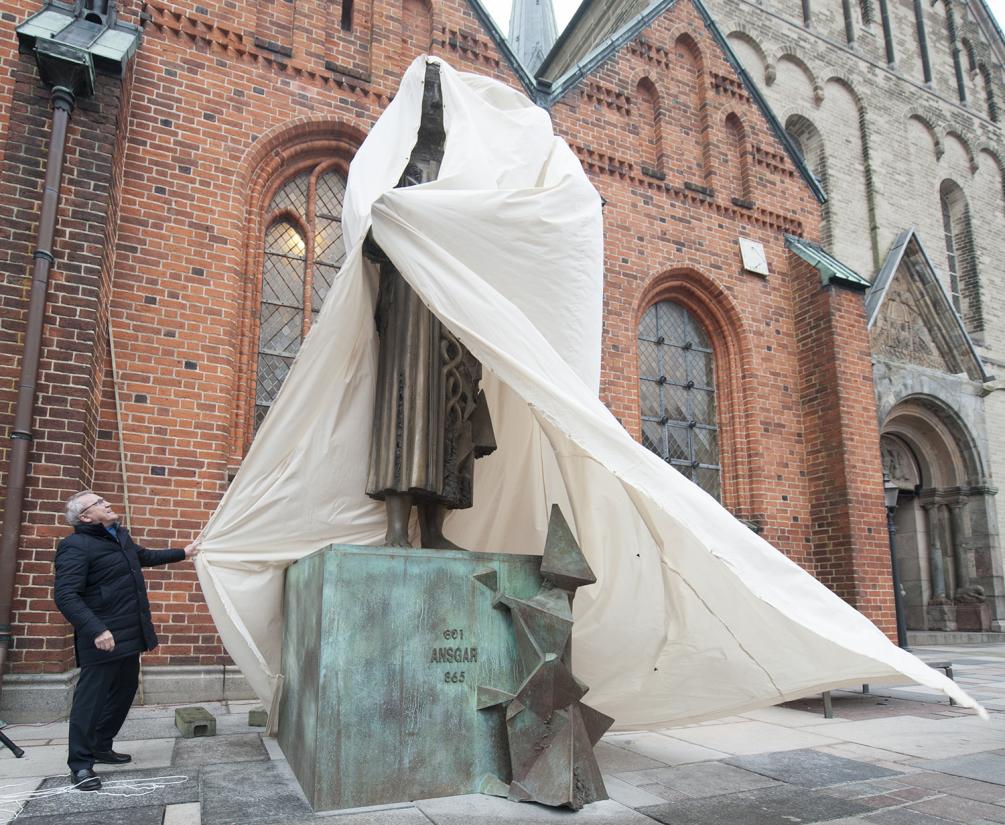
(303, 251)
(677, 393)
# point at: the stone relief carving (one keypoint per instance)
(901, 333)
(899, 463)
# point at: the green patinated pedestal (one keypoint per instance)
(383, 653)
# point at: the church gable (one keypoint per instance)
(912, 320)
(733, 122)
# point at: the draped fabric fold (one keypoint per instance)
(693, 615)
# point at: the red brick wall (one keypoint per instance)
(175, 195)
(851, 552)
(666, 240)
(74, 341)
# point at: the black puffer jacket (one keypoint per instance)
(99, 587)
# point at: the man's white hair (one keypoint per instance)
(74, 507)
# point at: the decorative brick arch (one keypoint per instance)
(278, 155)
(739, 143)
(928, 119)
(996, 160)
(649, 109)
(691, 128)
(686, 40)
(418, 27)
(743, 35)
(842, 79)
(796, 59)
(713, 307)
(967, 148)
(808, 137)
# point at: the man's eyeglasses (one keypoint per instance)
(92, 504)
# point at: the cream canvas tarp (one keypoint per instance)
(693, 615)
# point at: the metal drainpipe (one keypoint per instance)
(63, 102)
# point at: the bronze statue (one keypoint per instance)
(430, 420)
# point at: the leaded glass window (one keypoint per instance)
(677, 393)
(303, 251)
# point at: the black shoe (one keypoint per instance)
(111, 757)
(85, 780)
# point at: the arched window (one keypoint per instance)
(677, 392)
(960, 255)
(303, 252)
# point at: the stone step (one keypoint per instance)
(926, 638)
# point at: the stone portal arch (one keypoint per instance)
(945, 545)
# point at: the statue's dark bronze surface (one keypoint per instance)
(430, 420)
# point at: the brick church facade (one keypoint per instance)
(200, 184)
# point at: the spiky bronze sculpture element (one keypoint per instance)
(551, 732)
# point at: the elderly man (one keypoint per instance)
(101, 592)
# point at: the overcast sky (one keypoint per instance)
(564, 10)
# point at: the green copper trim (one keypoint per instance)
(831, 270)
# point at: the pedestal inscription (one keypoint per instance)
(383, 653)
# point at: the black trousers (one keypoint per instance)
(101, 701)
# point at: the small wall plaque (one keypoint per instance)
(754, 259)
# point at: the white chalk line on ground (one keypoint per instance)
(12, 803)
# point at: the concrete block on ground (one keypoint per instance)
(195, 721)
(257, 718)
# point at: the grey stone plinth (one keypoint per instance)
(383, 653)
(28, 697)
(170, 684)
(31, 697)
(257, 718)
(941, 616)
(195, 722)
(974, 618)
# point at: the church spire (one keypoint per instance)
(532, 31)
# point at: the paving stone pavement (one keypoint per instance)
(898, 755)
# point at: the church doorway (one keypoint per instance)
(943, 544)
